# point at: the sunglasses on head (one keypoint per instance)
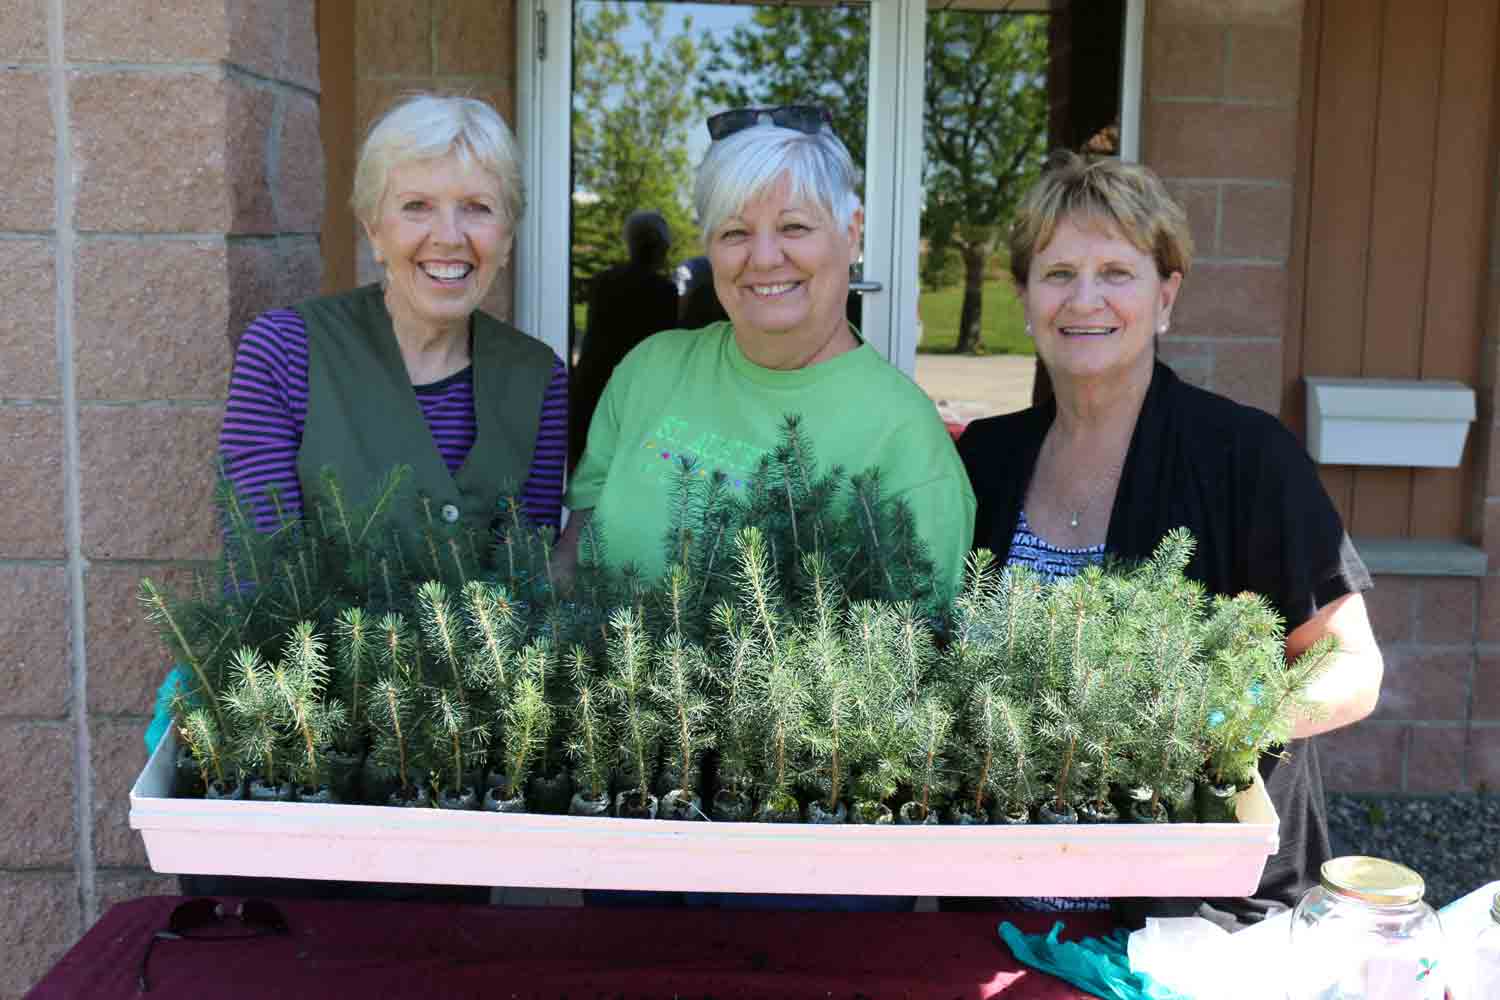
(205, 919)
(807, 118)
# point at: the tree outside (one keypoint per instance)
(632, 115)
(985, 134)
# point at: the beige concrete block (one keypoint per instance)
(34, 633)
(301, 269)
(299, 196)
(152, 319)
(114, 887)
(171, 152)
(393, 37)
(148, 481)
(31, 482)
(117, 750)
(1422, 684)
(42, 920)
(474, 37)
(27, 165)
(1447, 610)
(36, 794)
(1257, 221)
(127, 658)
(1249, 374)
(1201, 203)
(300, 58)
(145, 31)
(1282, 12)
(28, 285)
(257, 30)
(1264, 63)
(1186, 60)
(1435, 762)
(253, 269)
(1231, 300)
(247, 155)
(23, 31)
(1217, 140)
(1392, 607)
(1366, 757)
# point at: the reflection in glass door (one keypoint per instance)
(1002, 87)
(645, 78)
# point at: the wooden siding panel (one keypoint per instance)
(1459, 243)
(1339, 215)
(1401, 197)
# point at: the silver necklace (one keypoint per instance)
(1075, 514)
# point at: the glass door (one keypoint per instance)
(611, 101)
(638, 80)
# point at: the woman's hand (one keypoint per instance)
(1349, 687)
(565, 555)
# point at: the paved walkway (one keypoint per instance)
(966, 388)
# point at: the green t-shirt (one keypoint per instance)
(693, 393)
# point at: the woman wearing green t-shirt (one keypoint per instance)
(781, 226)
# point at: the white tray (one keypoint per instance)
(378, 843)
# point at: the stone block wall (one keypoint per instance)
(163, 182)
(1219, 123)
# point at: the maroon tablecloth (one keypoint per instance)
(339, 949)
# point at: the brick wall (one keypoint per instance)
(1219, 123)
(167, 184)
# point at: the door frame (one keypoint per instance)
(893, 195)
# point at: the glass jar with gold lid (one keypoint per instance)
(1364, 933)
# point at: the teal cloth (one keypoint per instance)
(161, 715)
(1097, 964)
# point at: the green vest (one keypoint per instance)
(363, 418)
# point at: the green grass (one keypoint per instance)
(1001, 320)
(1004, 327)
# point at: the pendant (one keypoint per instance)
(1073, 523)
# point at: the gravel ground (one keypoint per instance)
(1452, 841)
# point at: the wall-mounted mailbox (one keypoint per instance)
(1382, 421)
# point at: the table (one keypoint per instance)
(359, 949)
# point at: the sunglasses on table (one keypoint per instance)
(207, 919)
(808, 118)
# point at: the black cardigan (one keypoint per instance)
(1243, 485)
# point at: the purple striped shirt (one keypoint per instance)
(267, 410)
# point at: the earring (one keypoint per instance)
(1162, 328)
(1028, 328)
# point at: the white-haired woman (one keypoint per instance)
(781, 224)
(408, 371)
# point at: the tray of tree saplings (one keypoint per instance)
(791, 708)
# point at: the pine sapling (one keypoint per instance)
(931, 723)
(455, 738)
(355, 638)
(254, 707)
(678, 693)
(590, 745)
(160, 613)
(394, 704)
(443, 631)
(528, 720)
(628, 685)
(205, 741)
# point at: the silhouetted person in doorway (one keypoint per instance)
(628, 303)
